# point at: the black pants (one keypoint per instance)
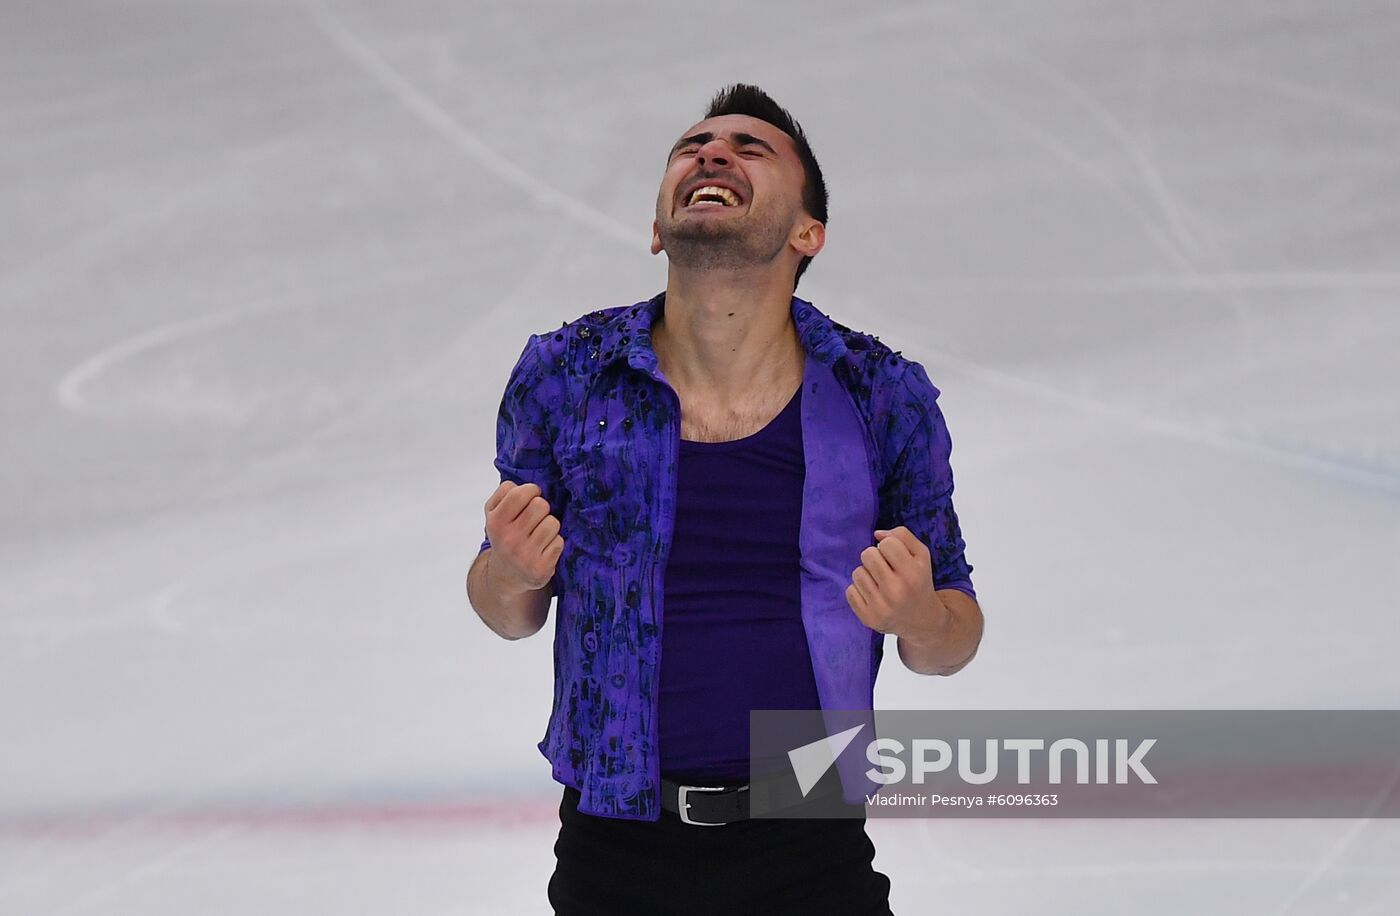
(614, 867)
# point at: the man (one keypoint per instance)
(777, 482)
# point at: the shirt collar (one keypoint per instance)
(630, 337)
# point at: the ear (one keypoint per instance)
(809, 238)
(655, 239)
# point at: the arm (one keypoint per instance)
(893, 591)
(941, 624)
(510, 612)
(955, 630)
(516, 571)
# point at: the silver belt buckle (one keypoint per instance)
(683, 805)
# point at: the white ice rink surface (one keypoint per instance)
(264, 268)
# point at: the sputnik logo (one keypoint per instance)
(811, 761)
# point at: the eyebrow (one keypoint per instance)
(705, 136)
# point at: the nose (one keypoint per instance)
(713, 152)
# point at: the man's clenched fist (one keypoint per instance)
(525, 541)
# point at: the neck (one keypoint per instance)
(727, 333)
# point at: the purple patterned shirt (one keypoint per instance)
(589, 416)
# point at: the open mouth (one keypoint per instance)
(712, 196)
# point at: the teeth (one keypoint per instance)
(727, 196)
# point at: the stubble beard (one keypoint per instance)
(725, 244)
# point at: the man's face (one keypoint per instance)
(753, 208)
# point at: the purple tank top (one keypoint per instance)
(732, 637)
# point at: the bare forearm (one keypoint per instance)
(509, 614)
(951, 640)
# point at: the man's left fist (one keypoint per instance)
(892, 590)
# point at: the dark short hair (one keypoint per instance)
(745, 99)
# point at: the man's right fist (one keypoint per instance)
(525, 541)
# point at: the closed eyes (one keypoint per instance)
(737, 140)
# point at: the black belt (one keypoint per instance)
(705, 806)
(713, 806)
